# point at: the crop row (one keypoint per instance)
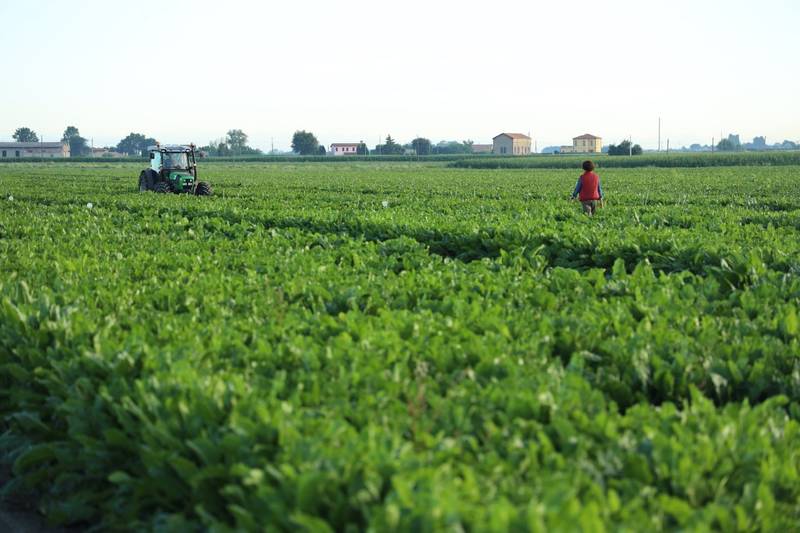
(487, 161)
(674, 160)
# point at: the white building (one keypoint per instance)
(344, 148)
(20, 150)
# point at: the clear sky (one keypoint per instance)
(356, 70)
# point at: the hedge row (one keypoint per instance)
(648, 160)
(488, 161)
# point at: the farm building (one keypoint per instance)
(511, 144)
(106, 152)
(482, 148)
(13, 150)
(344, 148)
(584, 144)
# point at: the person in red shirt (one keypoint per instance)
(588, 189)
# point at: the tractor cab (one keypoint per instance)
(162, 159)
(173, 168)
(175, 165)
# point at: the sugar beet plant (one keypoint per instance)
(402, 347)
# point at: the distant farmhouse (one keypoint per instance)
(106, 152)
(482, 148)
(584, 144)
(344, 148)
(20, 150)
(511, 144)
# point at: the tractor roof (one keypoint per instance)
(169, 148)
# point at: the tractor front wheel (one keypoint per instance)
(145, 181)
(203, 189)
(161, 187)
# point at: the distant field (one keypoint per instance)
(488, 161)
(403, 346)
(663, 160)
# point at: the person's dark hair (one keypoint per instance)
(588, 166)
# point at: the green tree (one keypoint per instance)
(726, 145)
(25, 135)
(421, 145)
(389, 147)
(208, 149)
(237, 141)
(148, 141)
(248, 150)
(135, 144)
(69, 133)
(234, 143)
(453, 147)
(77, 144)
(362, 149)
(731, 144)
(625, 148)
(216, 148)
(132, 144)
(321, 150)
(304, 143)
(223, 149)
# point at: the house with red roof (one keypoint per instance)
(344, 148)
(584, 144)
(511, 144)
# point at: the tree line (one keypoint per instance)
(624, 148)
(77, 144)
(733, 144)
(235, 143)
(306, 143)
(136, 144)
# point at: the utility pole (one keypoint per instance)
(630, 145)
(712, 145)
(667, 146)
(659, 134)
(272, 146)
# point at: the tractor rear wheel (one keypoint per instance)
(146, 181)
(203, 189)
(161, 187)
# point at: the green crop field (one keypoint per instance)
(402, 346)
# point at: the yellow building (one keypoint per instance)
(511, 144)
(586, 144)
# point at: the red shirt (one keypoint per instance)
(590, 187)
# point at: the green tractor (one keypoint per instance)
(172, 169)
